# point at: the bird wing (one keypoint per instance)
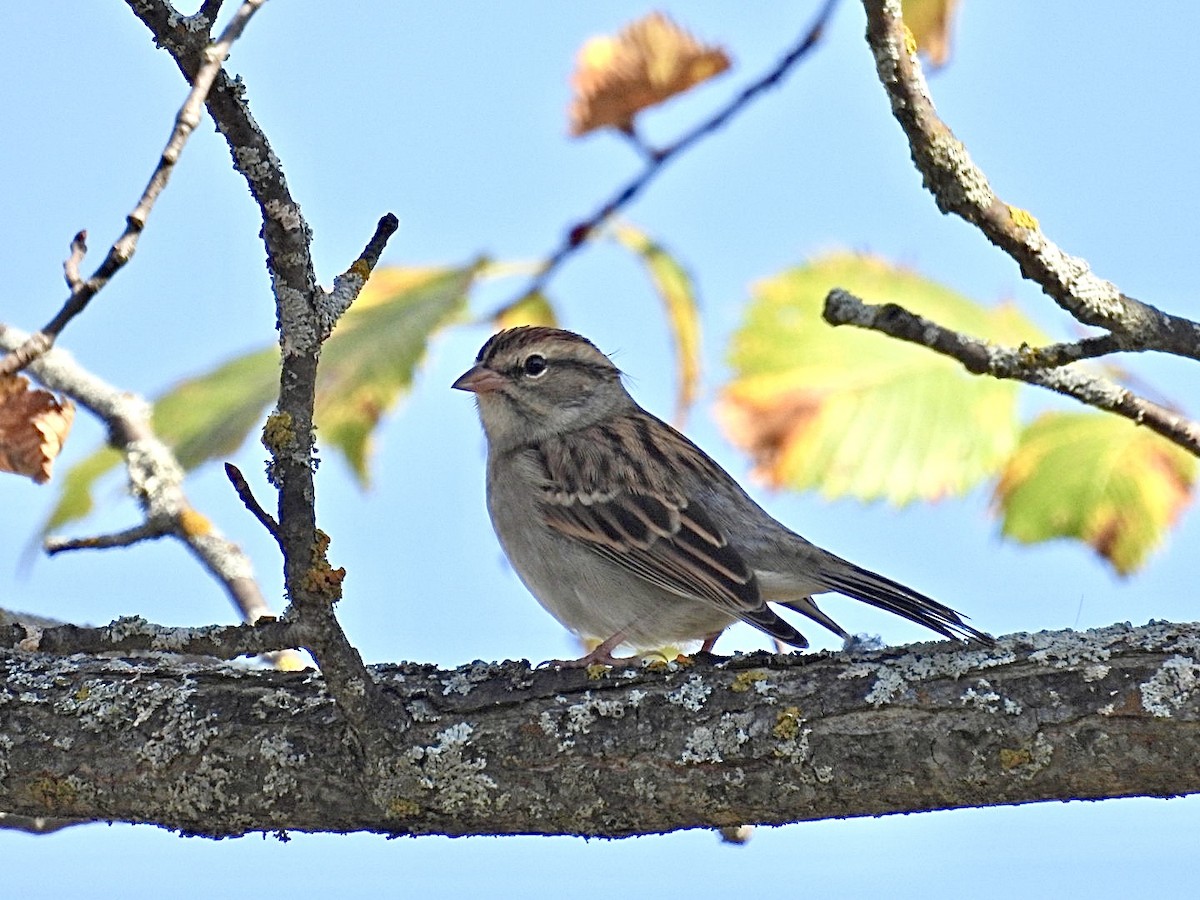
(670, 543)
(594, 493)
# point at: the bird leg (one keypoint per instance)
(709, 640)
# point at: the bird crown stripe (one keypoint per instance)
(526, 336)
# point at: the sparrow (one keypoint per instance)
(628, 533)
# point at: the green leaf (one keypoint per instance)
(365, 366)
(848, 411)
(369, 361)
(75, 488)
(1098, 478)
(201, 418)
(209, 417)
(675, 289)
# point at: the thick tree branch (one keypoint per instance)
(984, 358)
(959, 186)
(503, 749)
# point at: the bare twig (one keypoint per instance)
(984, 358)
(123, 249)
(656, 160)
(347, 286)
(246, 495)
(959, 186)
(147, 531)
(1054, 355)
(72, 263)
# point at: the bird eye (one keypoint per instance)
(535, 365)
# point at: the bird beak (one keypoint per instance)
(479, 381)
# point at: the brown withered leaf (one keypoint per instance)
(648, 62)
(33, 428)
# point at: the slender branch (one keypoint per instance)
(134, 634)
(123, 249)
(960, 186)
(1063, 354)
(656, 160)
(346, 287)
(147, 531)
(155, 477)
(984, 358)
(246, 495)
(74, 261)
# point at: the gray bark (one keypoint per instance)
(498, 748)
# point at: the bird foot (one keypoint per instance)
(601, 656)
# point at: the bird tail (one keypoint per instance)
(808, 607)
(883, 593)
(766, 619)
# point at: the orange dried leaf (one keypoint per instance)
(33, 428)
(768, 426)
(650, 61)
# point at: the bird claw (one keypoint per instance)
(600, 656)
(592, 659)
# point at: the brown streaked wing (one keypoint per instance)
(675, 546)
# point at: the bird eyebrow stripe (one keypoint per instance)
(517, 368)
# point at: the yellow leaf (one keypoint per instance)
(674, 287)
(1098, 478)
(369, 361)
(650, 61)
(931, 23)
(531, 309)
(847, 411)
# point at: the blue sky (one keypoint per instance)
(453, 117)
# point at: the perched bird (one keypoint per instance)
(626, 531)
